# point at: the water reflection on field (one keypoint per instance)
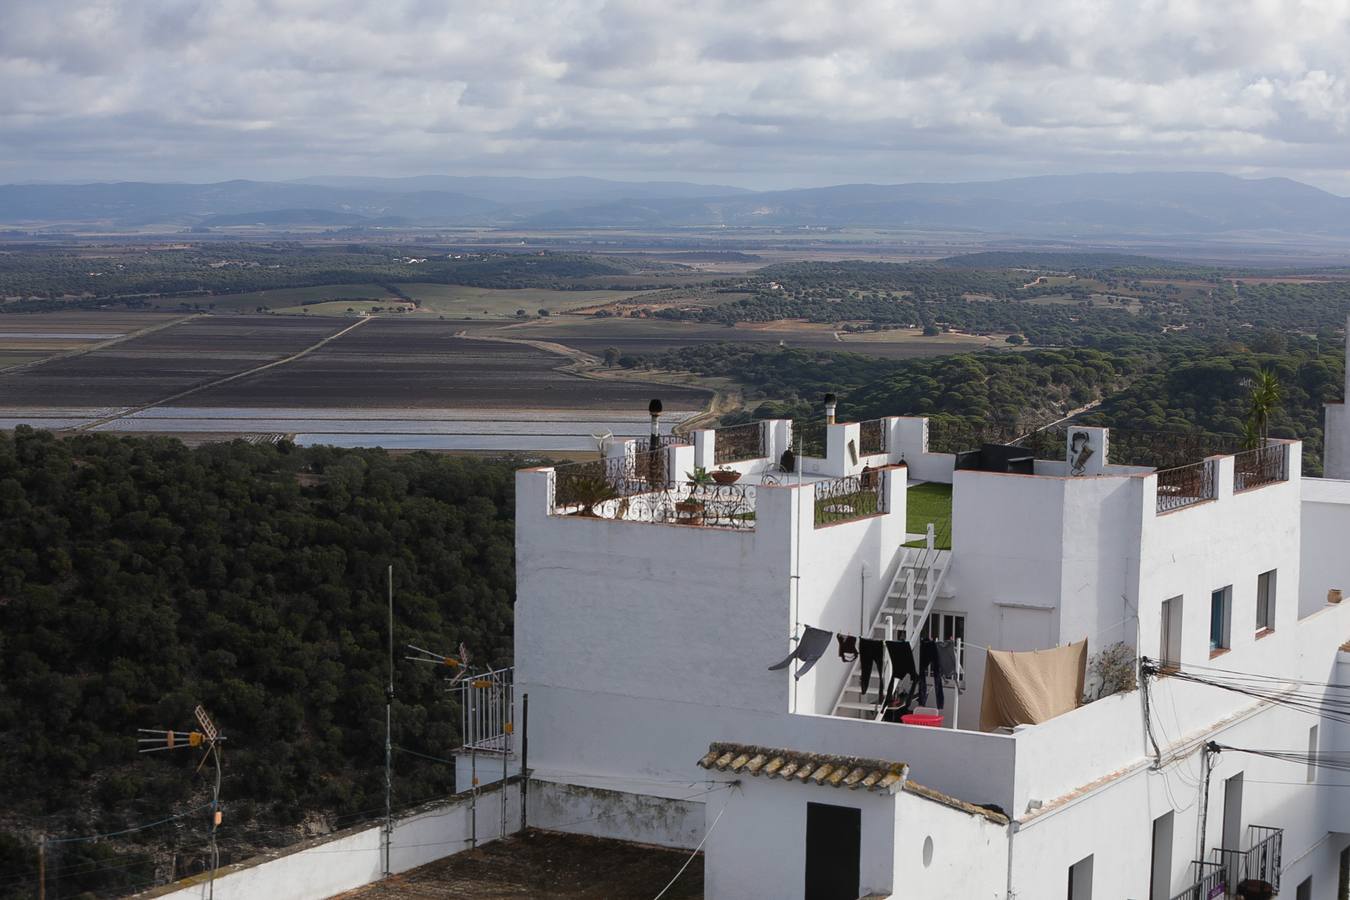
(395, 429)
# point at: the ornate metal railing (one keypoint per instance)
(583, 486)
(638, 488)
(1262, 466)
(1166, 449)
(810, 438)
(871, 437)
(737, 443)
(850, 497)
(676, 440)
(1209, 882)
(958, 436)
(1185, 486)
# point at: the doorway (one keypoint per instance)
(833, 851)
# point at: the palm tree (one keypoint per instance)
(1265, 401)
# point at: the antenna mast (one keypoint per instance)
(209, 736)
(389, 736)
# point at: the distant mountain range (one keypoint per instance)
(1084, 206)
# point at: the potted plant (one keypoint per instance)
(725, 475)
(691, 507)
(590, 492)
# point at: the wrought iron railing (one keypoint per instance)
(809, 438)
(1262, 861)
(1262, 466)
(581, 487)
(676, 440)
(872, 437)
(958, 436)
(1209, 882)
(850, 497)
(638, 488)
(738, 443)
(1185, 486)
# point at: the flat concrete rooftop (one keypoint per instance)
(546, 864)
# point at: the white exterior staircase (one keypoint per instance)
(903, 613)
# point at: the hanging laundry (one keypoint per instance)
(809, 650)
(871, 658)
(902, 659)
(946, 654)
(928, 662)
(848, 647)
(898, 703)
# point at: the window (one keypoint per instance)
(1160, 882)
(1220, 618)
(1170, 645)
(1312, 754)
(943, 626)
(1305, 890)
(1265, 601)
(1080, 879)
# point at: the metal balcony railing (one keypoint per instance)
(1259, 467)
(1185, 486)
(1208, 882)
(738, 443)
(850, 497)
(871, 437)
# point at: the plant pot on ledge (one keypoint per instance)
(726, 476)
(689, 511)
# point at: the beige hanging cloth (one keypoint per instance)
(1032, 686)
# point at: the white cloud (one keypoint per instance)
(778, 92)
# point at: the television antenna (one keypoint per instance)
(602, 440)
(208, 739)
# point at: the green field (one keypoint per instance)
(929, 502)
(460, 301)
(343, 308)
(276, 300)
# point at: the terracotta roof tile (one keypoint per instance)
(850, 772)
(820, 768)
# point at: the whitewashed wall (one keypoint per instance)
(758, 848)
(1323, 528)
(969, 858)
(323, 868)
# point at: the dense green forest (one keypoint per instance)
(52, 278)
(139, 578)
(1173, 383)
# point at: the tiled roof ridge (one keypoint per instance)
(831, 769)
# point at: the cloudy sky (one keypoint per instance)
(763, 94)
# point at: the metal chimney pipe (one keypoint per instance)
(654, 409)
(830, 402)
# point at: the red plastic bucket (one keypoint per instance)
(922, 719)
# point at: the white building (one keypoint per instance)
(646, 626)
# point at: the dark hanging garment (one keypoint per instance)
(897, 702)
(809, 649)
(946, 657)
(928, 663)
(902, 659)
(871, 658)
(848, 647)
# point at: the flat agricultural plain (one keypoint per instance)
(395, 382)
(642, 336)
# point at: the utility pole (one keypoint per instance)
(42, 867)
(389, 737)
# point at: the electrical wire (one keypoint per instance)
(707, 834)
(95, 837)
